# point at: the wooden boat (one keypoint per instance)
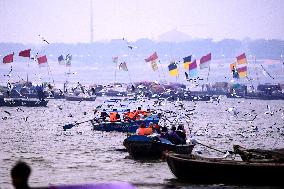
(251, 155)
(196, 169)
(73, 97)
(12, 102)
(123, 126)
(146, 147)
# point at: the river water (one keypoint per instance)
(81, 155)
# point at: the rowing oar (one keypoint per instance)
(193, 141)
(69, 126)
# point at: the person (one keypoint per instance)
(164, 133)
(157, 128)
(40, 92)
(181, 133)
(20, 174)
(141, 129)
(174, 138)
(104, 115)
(149, 129)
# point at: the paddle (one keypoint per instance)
(69, 126)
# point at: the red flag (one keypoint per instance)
(8, 58)
(42, 59)
(152, 57)
(25, 53)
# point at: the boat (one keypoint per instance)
(73, 97)
(152, 147)
(196, 169)
(251, 155)
(123, 126)
(12, 102)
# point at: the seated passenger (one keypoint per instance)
(141, 129)
(149, 129)
(181, 133)
(174, 138)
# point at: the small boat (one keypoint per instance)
(12, 102)
(196, 169)
(251, 155)
(73, 97)
(147, 147)
(122, 126)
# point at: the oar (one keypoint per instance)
(69, 126)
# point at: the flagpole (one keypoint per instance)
(115, 72)
(208, 73)
(162, 70)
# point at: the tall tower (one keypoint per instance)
(91, 22)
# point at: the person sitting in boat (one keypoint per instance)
(149, 130)
(114, 116)
(164, 133)
(20, 174)
(104, 115)
(141, 129)
(181, 133)
(174, 138)
(138, 113)
(157, 128)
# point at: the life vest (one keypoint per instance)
(112, 116)
(141, 131)
(148, 131)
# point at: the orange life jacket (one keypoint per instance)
(112, 116)
(141, 131)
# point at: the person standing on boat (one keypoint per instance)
(40, 92)
(181, 133)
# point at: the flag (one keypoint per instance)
(68, 60)
(115, 59)
(8, 58)
(42, 60)
(151, 58)
(61, 60)
(205, 61)
(25, 53)
(154, 65)
(192, 68)
(242, 59)
(173, 69)
(123, 66)
(186, 62)
(242, 71)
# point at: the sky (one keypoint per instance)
(68, 21)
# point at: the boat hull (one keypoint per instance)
(209, 170)
(143, 147)
(13, 102)
(130, 127)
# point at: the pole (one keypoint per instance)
(208, 73)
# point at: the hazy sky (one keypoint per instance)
(69, 20)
